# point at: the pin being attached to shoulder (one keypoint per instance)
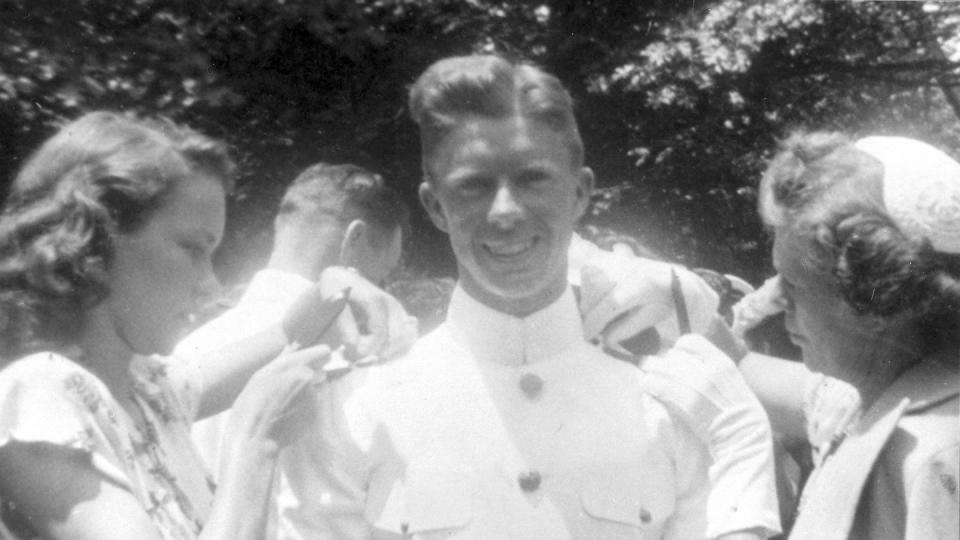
(338, 364)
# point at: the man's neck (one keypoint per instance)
(303, 254)
(515, 306)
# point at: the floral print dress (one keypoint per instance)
(48, 398)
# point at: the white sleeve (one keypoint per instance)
(703, 387)
(690, 518)
(46, 398)
(323, 484)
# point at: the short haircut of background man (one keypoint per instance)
(356, 217)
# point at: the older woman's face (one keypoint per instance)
(161, 271)
(828, 331)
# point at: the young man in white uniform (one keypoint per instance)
(504, 422)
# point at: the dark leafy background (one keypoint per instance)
(680, 103)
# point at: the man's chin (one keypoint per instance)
(516, 286)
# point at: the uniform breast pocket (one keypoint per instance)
(618, 510)
(427, 505)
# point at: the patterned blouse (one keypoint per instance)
(48, 398)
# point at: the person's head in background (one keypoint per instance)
(867, 242)
(425, 298)
(339, 214)
(503, 176)
(107, 235)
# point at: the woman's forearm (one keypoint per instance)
(226, 370)
(243, 499)
(779, 385)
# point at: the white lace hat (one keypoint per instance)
(921, 189)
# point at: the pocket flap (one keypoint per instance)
(437, 501)
(614, 503)
(423, 502)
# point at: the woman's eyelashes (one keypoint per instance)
(197, 250)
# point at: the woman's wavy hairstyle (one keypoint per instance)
(823, 188)
(99, 176)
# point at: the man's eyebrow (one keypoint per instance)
(464, 173)
(546, 165)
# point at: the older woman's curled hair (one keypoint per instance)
(99, 176)
(824, 186)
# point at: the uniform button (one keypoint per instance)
(531, 385)
(529, 481)
(645, 516)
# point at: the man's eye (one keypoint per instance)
(473, 185)
(533, 177)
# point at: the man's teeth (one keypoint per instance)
(508, 249)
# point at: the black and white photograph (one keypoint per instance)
(480, 269)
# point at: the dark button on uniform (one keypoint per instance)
(529, 481)
(531, 385)
(645, 516)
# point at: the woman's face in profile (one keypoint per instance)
(828, 331)
(163, 270)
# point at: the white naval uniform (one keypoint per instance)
(448, 443)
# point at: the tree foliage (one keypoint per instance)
(680, 103)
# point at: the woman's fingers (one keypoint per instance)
(364, 327)
(312, 313)
(373, 331)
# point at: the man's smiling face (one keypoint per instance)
(508, 193)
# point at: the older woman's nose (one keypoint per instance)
(208, 285)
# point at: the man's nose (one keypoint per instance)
(505, 210)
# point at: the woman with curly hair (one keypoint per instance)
(867, 244)
(105, 251)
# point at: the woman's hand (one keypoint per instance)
(345, 309)
(279, 401)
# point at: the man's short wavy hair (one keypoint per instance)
(99, 176)
(823, 188)
(346, 192)
(461, 88)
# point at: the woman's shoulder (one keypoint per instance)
(934, 409)
(47, 397)
(929, 429)
(46, 368)
(930, 426)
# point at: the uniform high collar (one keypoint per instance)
(495, 336)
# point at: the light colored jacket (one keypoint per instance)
(895, 476)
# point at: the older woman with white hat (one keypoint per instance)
(867, 244)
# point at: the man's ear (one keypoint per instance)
(430, 202)
(352, 243)
(584, 190)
